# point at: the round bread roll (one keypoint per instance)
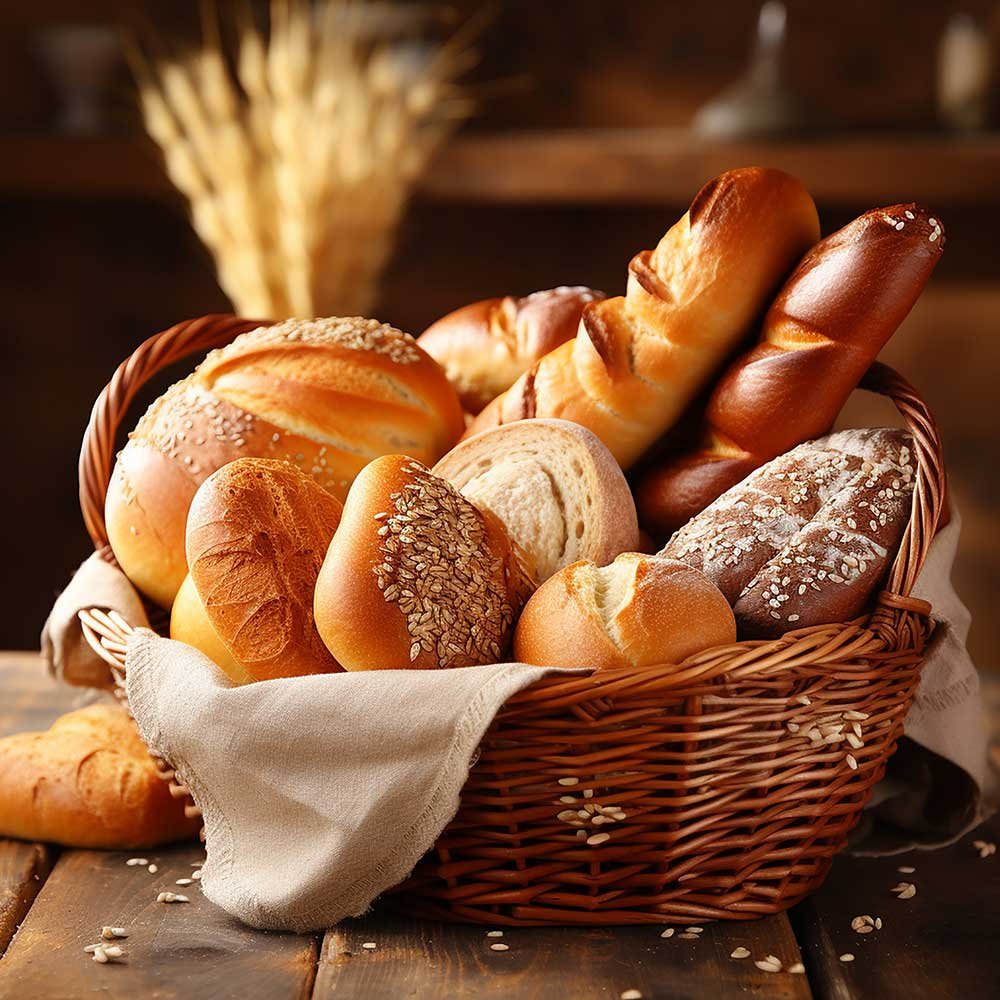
(806, 539)
(190, 624)
(88, 781)
(327, 395)
(417, 576)
(555, 487)
(257, 533)
(637, 612)
(486, 346)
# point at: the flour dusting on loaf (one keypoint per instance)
(807, 538)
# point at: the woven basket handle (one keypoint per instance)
(161, 350)
(928, 490)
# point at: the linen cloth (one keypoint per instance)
(321, 792)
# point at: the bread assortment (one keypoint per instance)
(807, 538)
(227, 498)
(324, 395)
(486, 346)
(88, 781)
(257, 534)
(555, 488)
(417, 576)
(639, 359)
(637, 612)
(832, 317)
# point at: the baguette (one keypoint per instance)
(835, 313)
(637, 361)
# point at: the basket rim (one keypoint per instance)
(897, 621)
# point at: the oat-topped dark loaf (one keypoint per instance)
(807, 538)
(417, 576)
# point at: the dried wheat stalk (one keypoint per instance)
(297, 154)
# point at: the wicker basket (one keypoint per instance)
(672, 793)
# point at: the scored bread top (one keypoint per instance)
(807, 538)
(555, 487)
(257, 533)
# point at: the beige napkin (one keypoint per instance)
(321, 792)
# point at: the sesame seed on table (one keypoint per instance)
(77, 923)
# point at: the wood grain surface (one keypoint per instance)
(435, 961)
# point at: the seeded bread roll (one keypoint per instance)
(807, 538)
(417, 576)
(257, 534)
(88, 781)
(327, 395)
(557, 490)
(486, 346)
(637, 612)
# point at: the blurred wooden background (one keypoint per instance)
(535, 192)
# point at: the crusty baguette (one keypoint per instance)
(327, 395)
(484, 347)
(88, 781)
(637, 612)
(417, 576)
(637, 361)
(257, 534)
(807, 538)
(555, 487)
(835, 313)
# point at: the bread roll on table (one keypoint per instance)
(417, 576)
(88, 781)
(555, 487)
(808, 538)
(637, 612)
(827, 325)
(637, 361)
(327, 395)
(257, 534)
(485, 346)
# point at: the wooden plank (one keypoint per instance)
(23, 870)
(437, 961)
(939, 945)
(29, 698)
(177, 950)
(569, 167)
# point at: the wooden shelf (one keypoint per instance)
(586, 167)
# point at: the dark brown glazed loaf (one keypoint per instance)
(807, 538)
(829, 322)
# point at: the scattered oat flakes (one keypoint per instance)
(847, 957)
(906, 869)
(494, 933)
(740, 952)
(369, 945)
(598, 838)
(499, 946)
(153, 869)
(904, 890)
(136, 861)
(631, 995)
(798, 969)
(771, 963)
(110, 933)
(986, 848)
(668, 933)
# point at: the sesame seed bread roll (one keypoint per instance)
(88, 781)
(416, 576)
(190, 624)
(257, 533)
(327, 395)
(638, 360)
(555, 487)
(484, 347)
(809, 537)
(637, 612)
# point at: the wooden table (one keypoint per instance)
(943, 943)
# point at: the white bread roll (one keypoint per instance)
(257, 534)
(639, 611)
(555, 487)
(327, 395)
(416, 576)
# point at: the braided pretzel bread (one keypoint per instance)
(638, 360)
